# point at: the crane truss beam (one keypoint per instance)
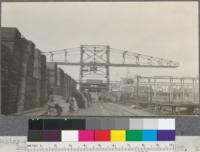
(95, 60)
(116, 65)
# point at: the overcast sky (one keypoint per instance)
(162, 29)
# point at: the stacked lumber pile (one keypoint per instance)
(67, 86)
(44, 80)
(60, 82)
(23, 69)
(82, 101)
(37, 77)
(27, 79)
(11, 69)
(52, 77)
(73, 106)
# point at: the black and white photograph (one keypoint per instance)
(100, 58)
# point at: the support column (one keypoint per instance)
(155, 88)
(149, 91)
(171, 90)
(137, 87)
(107, 66)
(182, 90)
(81, 66)
(193, 89)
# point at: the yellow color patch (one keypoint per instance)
(118, 135)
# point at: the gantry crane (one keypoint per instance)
(95, 61)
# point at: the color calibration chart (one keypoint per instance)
(102, 134)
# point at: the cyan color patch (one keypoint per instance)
(149, 135)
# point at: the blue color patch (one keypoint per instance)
(149, 135)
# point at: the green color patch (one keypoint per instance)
(133, 135)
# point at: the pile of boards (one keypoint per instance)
(10, 74)
(27, 79)
(23, 73)
(59, 83)
(83, 99)
(73, 106)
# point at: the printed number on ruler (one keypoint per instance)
(101, 146)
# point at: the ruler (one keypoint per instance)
(100, 147)
(20, 144)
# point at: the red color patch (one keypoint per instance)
(102, 135)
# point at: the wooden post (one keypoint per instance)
(171, 90)
(107, 67)
(149, 91)
(155, 91)
(193, 88)
(81, 67)
(182, 90)
(137, 88)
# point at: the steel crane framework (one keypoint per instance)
(95, 60)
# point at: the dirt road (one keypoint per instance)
(110, 109)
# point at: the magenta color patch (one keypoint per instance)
(86, 135)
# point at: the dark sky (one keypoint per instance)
(162, 29)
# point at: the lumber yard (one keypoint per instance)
(34, 84)
(27, 79)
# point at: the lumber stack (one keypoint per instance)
(27, 79)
